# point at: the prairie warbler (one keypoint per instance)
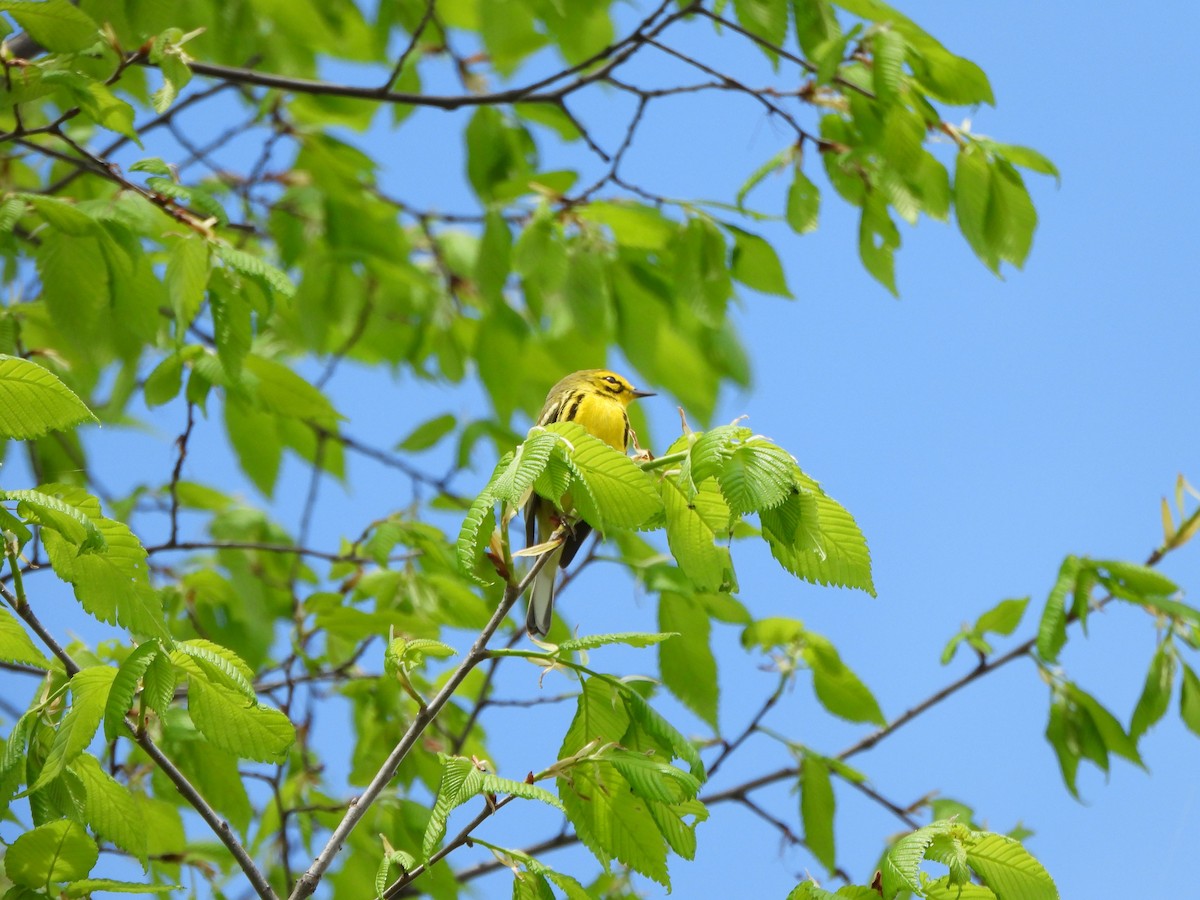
(597, 399)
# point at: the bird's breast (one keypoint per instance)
(605, 419)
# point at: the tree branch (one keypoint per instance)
(308, 882)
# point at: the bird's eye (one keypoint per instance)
(610, 379)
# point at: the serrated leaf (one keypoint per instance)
(623, 495)
(493, 784)
(460, 781)
(902, 862)
(815, 538)
(248, 731)
(110, 808)
(34, 401)
(271, 278)
(214, 663)
(56, 851)
(187, 276)
(524, 468)
(15, 645)
(85, 887)
(887, 70)
(757, 475)
(1052, 631)
(629, 638)
(124, 686)
(57, 25)
(71, 522)
(1008, 869)
(89, 692)
(692, 540)
(652, 778)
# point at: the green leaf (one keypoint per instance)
(972, 199)
(56, 851)
(85, 887)
(1003, 618)
(878, 239)
(632, 224)
(89, 691)
(57, 25)
(1109, 729)
(428, 433)
(838, 688)
(280, 390)
(756, 264)
(1189, 700)
(164, 382)
(187, 276)
(1008, 869)
(215, 664)
(493, 784)
(774, 164)
(15, 645)
(272, 279)
(766, 18)
(816, 809)
(1156, 692)
(693, 541)
(248, 731)
(887, 71)
(461, 780)
(1052, 632)
(687, 664)
(628, 638)
(624, 495)
(112, 585)
(815, 538)
(803, 202)
(902, 862)
(1011, 216)
(110, 808)
(33, 401)
(524, 468)
(71, 522)
(124, 686)
(757, 475)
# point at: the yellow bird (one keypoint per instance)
(598, 400)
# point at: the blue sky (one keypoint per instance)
(979, 429)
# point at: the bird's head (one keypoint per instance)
(610, 384)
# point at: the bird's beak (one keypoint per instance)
(637, 393)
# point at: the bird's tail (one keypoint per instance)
(541, 596)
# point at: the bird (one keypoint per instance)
(598, 400)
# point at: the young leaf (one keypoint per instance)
(15, 645)
(55, 851)
(89, 693)
(628, 638)
(839, 689)
(247, 731)
(803, 202)
(34, 401)
(755, 263)
(816, 809)
(1008, 868)
(461, 780)
(1052, 632)
(687, 664)
(110, 808)
(693, 542)
(1156, 692)
(124, 686)
(1189, 700)
(57, 25)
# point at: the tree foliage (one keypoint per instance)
(148, 284)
